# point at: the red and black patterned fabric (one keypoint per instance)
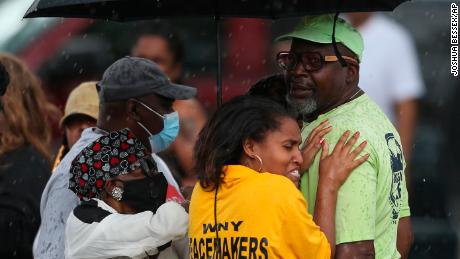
(114, 154)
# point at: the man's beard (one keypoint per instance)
(302, 107)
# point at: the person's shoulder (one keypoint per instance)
(89, 212)
(25, 159)
(359, 112)
(270, 182)
(25, 151)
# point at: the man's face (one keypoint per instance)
(156, 48)
(316, 91)
(75, 125)
(149, 119)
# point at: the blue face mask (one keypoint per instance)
(167, 135)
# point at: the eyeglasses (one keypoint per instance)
(311, 61)
(148, 166)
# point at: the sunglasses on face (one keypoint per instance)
(311, 61)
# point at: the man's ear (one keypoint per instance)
(352, 74)
(132, 110)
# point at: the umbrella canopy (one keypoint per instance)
(122, 10)
(129, 10)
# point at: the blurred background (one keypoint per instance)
(65, 52)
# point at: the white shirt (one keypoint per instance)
(389, 70)
(118, 235)
(58, 200)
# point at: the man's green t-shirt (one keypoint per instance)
(374, 197)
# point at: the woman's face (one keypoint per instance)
(280, 151)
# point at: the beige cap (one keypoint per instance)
(82, 100)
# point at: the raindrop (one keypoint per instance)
(230, 35)
(264, 61)
(203, 69)
(80, 71)
(423, 180)
(248, 67)
(108, 118)
(85, 36)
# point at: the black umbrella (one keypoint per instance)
(128, 10)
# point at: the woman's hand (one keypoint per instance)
(313, 144)
(335, 168)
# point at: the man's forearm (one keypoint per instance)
(405, 237)
(356, 250)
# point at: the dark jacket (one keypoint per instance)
(23, 176)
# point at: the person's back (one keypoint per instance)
(259, 214)
(373, 199)
(20, 187)
(25, 135)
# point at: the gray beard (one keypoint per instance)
(303, 107)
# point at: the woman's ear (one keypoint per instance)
(248, 147)
(110, 184)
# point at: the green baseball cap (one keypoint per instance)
(319, 29)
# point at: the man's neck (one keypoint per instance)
(348, 97)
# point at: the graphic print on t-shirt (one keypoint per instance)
(396, 157)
